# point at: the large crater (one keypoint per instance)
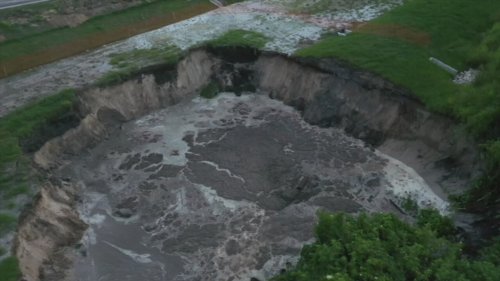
(173, 186)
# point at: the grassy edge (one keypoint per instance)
(475, 42)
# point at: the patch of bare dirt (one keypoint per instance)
(67, 20)
(396, 31)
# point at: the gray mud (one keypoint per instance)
(221, 189)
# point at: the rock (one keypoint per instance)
(51, 224)
(123, 213)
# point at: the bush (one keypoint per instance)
(210, 91)
(382, 247)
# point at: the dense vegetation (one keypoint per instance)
(462, 33)
(381, 247)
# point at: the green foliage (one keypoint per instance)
(493, 149)
(6, 222)
(2, 251)
(479, 106)
(129, 63)
(168, 54)
(9, 269)
(210, 91)
(241, 38)
(410, 206)
(116, 76)
(442, 226)
(381, 247)
(22, 122)
(19, 125)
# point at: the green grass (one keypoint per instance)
(240, 37)
(116, 76)
(9, 269)
(38, 42)
(21, 124)
(6, 222)
(463, 34)
(455, 28)
(140, 57)
(35, 23)
(210, 91)
(397, 60)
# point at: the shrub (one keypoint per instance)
(382, 247)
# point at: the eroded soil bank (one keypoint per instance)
(176, 187)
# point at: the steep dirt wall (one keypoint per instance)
(105, 108)
(50, 225)
(376, 111)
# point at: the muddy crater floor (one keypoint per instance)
(220, 189)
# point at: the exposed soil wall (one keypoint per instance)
(50, 225)
(372, 109)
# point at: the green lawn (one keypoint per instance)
(455, 27)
